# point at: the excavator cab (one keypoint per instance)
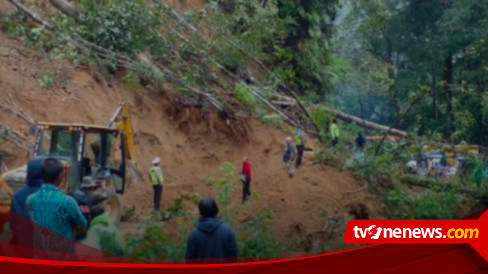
(85, 151)
(92, 151)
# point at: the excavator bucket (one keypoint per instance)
(11, 181)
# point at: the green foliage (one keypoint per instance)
(328, 157)
(4, 131)
(258, 239)
(432, 205)
(377, 168)
(51, 78)
(417, 45)
(273, 120)
(397, 204)
(46, 81)
(131, 80)
(293, 40)
(154, 243)
(11, 24)
(322, 119)
(436, 204)
(124, 25)
(195, 198)
(244, 95)
(225, 187)
(174, 211)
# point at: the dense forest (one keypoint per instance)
(400, 50)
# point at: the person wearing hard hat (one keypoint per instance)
(157, 179)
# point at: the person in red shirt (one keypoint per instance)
(246, 179)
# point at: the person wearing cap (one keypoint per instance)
(289, 156)
(157, 179)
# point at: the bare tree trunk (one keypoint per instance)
(434, 96)
(65, 7)
(366, 124)
(34, 16)
(448, 77)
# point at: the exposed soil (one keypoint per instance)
(190, 149)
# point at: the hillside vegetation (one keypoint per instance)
(212, 81)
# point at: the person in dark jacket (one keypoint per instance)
(360, 141)
(19, 219)
(211, 241)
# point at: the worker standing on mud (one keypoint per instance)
(334, 134)
(300, 142)
(289, 156)
(211, 241)
(157, 179)
(246, 179)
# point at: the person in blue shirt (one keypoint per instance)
(55, 214)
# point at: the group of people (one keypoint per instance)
(433, 168)
(44, 219)
(48, 223)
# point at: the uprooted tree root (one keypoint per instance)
(188, 114)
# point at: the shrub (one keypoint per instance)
(436, 204)
(45, 81)
(154, 243)
(397, 204)
(244, 95)
(124, 26)
(274, 120)
(51, 78)
(258, 239)
(131, 80)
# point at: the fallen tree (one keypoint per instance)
(430, 183)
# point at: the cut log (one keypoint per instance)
(364, 123)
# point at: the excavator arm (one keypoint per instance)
(121, 120)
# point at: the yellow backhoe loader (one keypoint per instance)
(106, 154)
